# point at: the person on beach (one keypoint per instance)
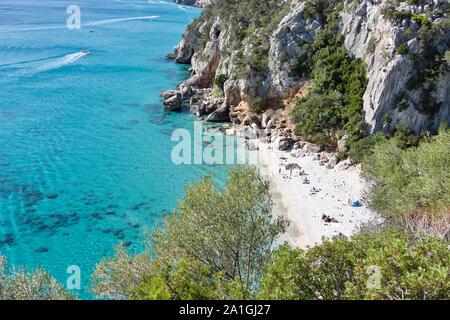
(349, 202)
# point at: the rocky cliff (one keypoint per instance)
(374, 37)
(245, 55)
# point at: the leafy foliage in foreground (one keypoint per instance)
(20, 284)
(217, 237)
(409, 179)
(220, 245)
(408, 268)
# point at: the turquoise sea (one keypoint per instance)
(84, 142)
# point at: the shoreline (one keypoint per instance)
(304, 209)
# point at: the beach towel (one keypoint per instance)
(356, 204)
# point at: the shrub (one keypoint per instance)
(387, 265)
(219, 80)
(387, 119)
(360, 148)
(257, 104)
(216, 235)
(341, 155)
(335, 101)
(21, 284)
(217, 93)
(408, 179)
(403, 49)
(371, 45)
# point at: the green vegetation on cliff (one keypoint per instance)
(249, 24)
(334, 103)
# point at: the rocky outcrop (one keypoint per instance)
(375, 39)
(210, 46)
(171, 100)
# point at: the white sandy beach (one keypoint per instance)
(304, 210)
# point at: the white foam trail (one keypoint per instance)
(30, 68)
(67, 59)
(92, 23)
(4, 28)
(97, 23)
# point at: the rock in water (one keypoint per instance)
(173, 103)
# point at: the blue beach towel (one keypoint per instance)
(356, 204)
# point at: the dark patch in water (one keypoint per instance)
(97, 215)
(121, 128)
(130, 104)
(159, 121)
(117, 232)
(127, 243)
(4, 164)
(41, 249)
(132, 121)
(51, 196)
(9, 240)
(42, 227)
(134, 224)
(32, 197)
(153, 108)
(166, 131)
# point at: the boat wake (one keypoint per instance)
(29, 68)
(97, 23)
(60, 62)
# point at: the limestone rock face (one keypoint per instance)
(368, 35)
(374, 39)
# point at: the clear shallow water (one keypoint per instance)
(88, 129)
